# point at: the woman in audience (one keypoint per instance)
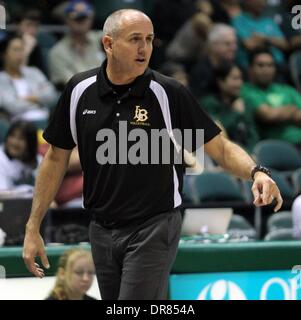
(25, 91)
(74, 276)
(227, 107)
(18, 157)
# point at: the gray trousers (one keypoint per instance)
(134, 262)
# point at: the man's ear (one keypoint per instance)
(107, 42)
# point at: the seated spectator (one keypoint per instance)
(188, 44)
(19, 160)
(34, 41)
(296, 217)
(277, 106)
(25, 91)
(80, 49)
(74, 276)
(221, 46)
(170, 15)
(224, 11)
(256, 31)
(227, 107)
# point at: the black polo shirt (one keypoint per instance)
(118, 192)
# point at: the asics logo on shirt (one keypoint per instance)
(86, 111)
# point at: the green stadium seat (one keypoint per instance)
(280, 220)
(278, 155)
(284, 186)
(239, 227)
(279, 235)
(217, 186)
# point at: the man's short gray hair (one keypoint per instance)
(218, 31)
(112, 24)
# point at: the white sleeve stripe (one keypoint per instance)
(75, 96)
(164, 104)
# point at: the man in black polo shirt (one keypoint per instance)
(136, 221)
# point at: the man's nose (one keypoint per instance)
(142, 44)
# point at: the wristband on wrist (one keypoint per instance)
(259, 168)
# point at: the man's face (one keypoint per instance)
(226, 47)
(130, 50)
(29, 26)
(262, 70)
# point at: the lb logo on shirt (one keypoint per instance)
(141, 115)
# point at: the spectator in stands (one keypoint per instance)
(221, 46)
(255, 31)
(74, 276)
(229, 109)
(277, 106)
(80, 49)
(28, 27)
(25, 91)
(170, 15)
(188, 44)
(18, 157)
(224, 11)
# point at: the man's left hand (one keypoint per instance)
(265, 190)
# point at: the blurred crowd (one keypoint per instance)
(240, 58)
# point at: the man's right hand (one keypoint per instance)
(34, 247)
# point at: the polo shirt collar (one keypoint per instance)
(138, 89)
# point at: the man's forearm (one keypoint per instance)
(50, 176)
(237, 161)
